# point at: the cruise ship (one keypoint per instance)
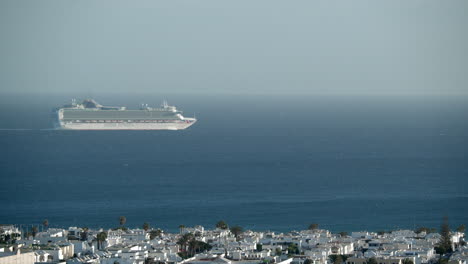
(90, 115)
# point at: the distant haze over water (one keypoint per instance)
(260, 161)
(359, 46)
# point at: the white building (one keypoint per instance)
(15, 256)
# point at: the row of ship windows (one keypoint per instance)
(123, 121)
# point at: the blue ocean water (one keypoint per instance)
(264, 162)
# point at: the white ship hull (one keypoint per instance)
(91, 116)
(125, 126)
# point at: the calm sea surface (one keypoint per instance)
(261, 162)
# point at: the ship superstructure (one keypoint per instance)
(89, 115)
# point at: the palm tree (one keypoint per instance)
(372, 261)
(445, 243)
(181, 227)
(34, 231)
(101, 237)
(122, 220)
(336, 259)
(146, 226)
(313, 226)
(293, 249)
(184, 239)
(407, 261)
(192, 244)
(278, 252)
(45, 223)
(155, 233)
(343, 234)
(237, 230)
(222, 225)
(84, 234)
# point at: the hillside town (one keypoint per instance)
(228, 245)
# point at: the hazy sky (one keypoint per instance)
(372, 46)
